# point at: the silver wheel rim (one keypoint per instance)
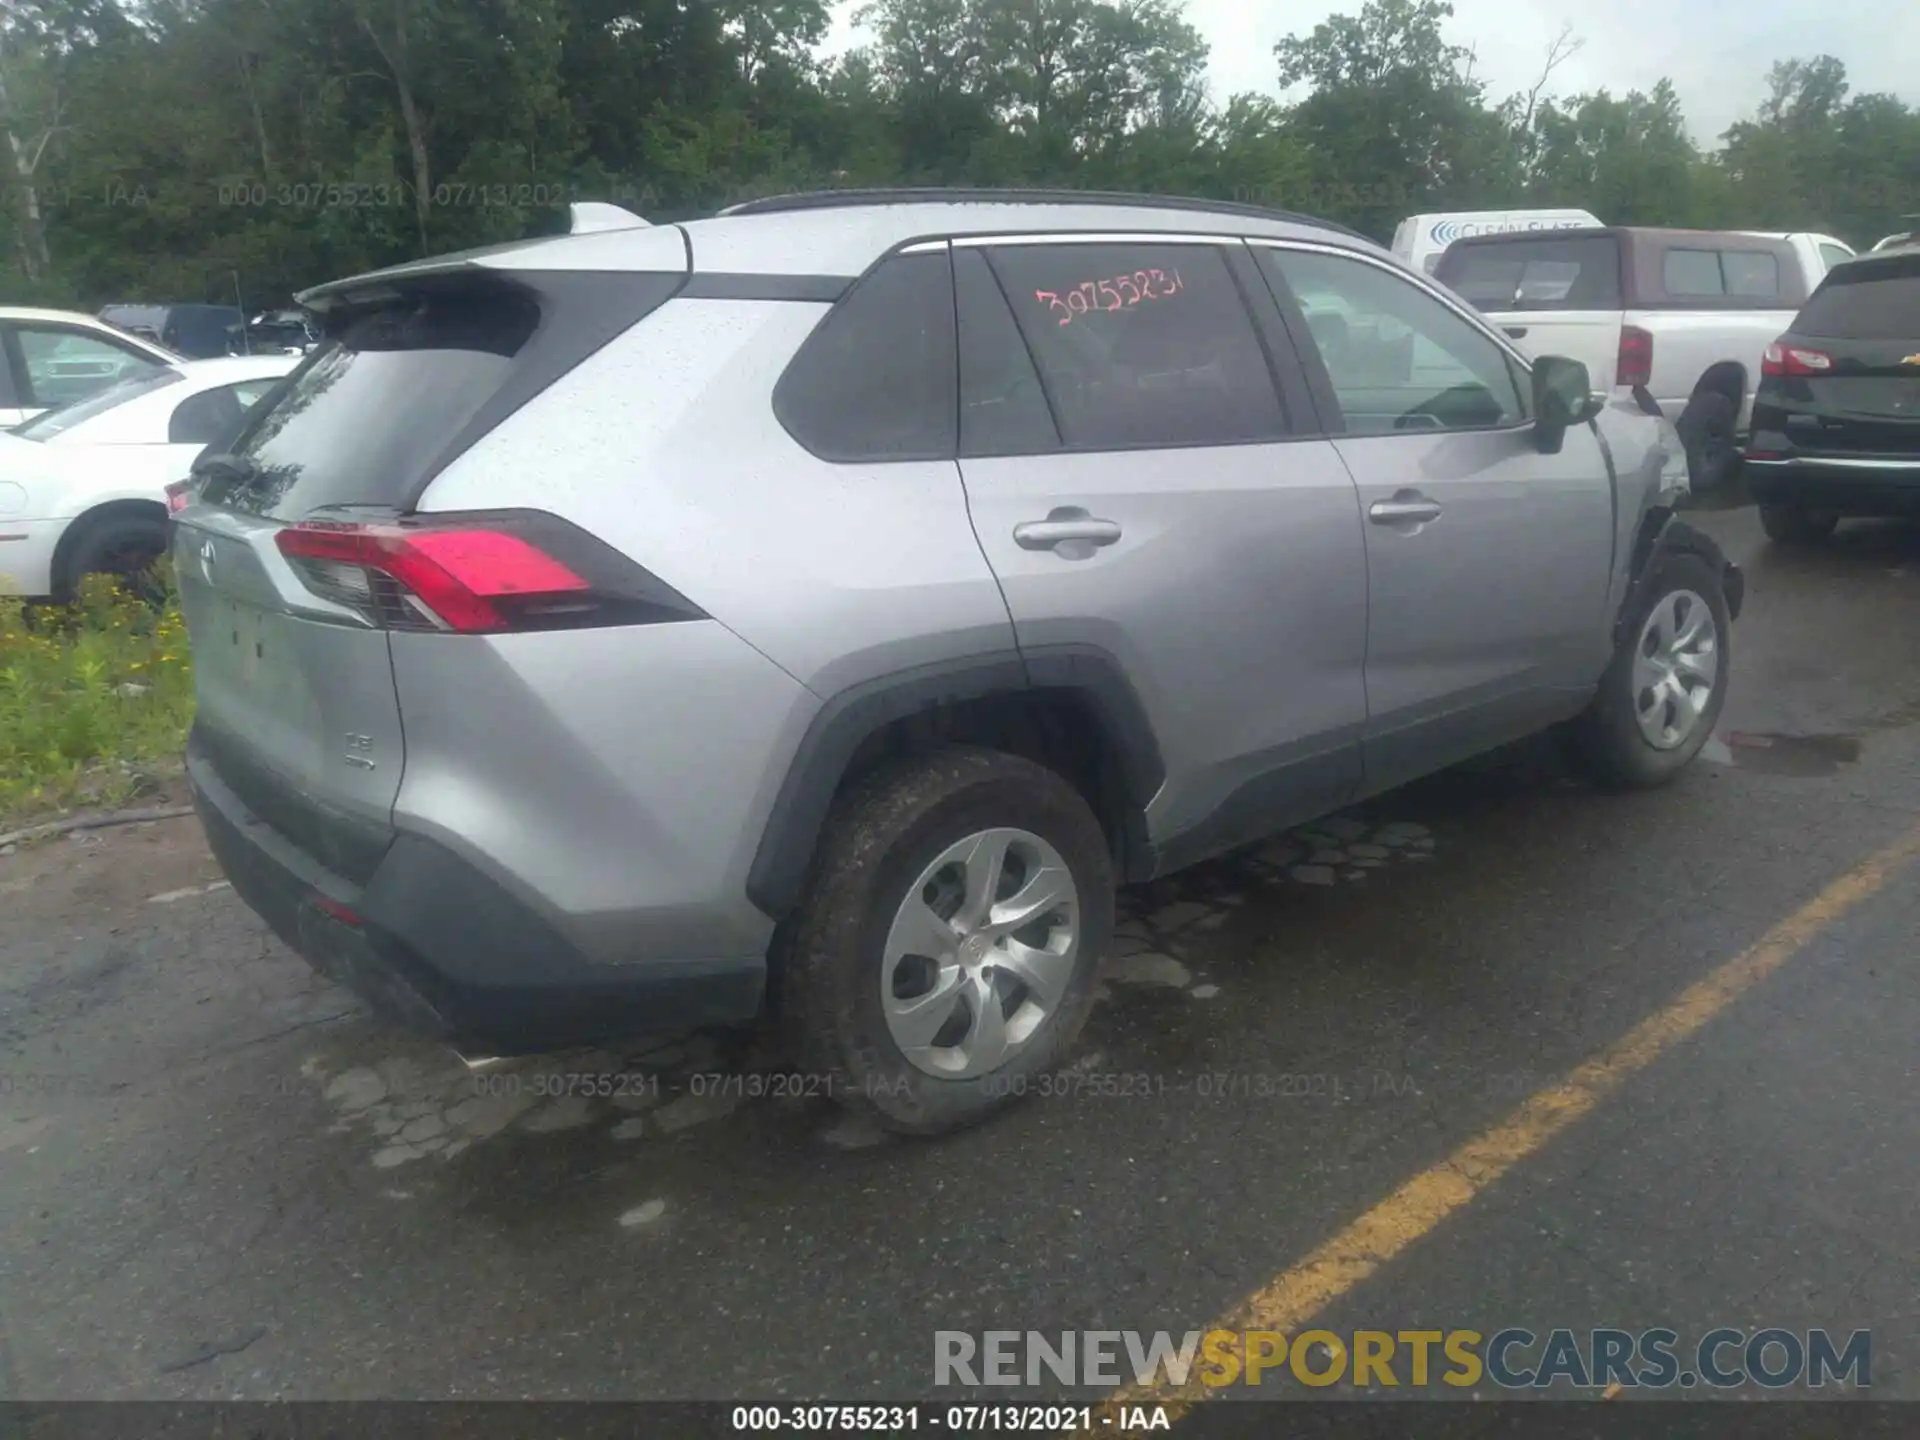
(980, 953)
(1676, 665)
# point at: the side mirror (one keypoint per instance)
(1562, 398)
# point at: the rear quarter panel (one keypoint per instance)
(1688, 343)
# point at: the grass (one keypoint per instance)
(94, 697)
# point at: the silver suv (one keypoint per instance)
(817, 610)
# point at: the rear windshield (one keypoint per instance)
(1541, 273)
(1866, 300)
(367, 415)
(55, 422)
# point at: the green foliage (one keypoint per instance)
(106, 681)
(181, 151)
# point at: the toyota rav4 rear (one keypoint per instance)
(380, 759)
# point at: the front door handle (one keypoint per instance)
(1517, 332)
(1070, 531)
(1404, 509)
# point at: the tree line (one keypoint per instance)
(186, 150)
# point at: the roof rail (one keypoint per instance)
(966, 195)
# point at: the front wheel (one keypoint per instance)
(947, 950)
(1791, 525)
(1662, 694)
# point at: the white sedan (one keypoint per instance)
(83, 488)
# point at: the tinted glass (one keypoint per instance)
(1535, 274)
(1754, 273)
(1141, 344)
(1867, 300)
(1003, 410)
(1692, 272)
(876, 380)
(141, 382)
(68, 365)
(1398, 359)
(366, 416)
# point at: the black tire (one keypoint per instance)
(1606, 740)
(126, 544)
(1792, 525)
(1709, 428)
(883, 833)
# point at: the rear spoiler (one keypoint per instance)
(586, 218)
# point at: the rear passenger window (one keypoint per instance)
(876, 380)
(1141, 344)
(1003, 409)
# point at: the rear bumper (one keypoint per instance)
(26, 556)
(1849, 486)
(432, 944)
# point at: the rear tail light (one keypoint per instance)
(477, 574)
(1783, 359)
(1634, 363)
(178, 494)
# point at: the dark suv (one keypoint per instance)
(1836, 421)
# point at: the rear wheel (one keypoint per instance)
(948, 947)
(1793, 525)
(125, 545)
(1708, 428)
(1662, 694)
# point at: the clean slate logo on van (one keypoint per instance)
(1448, 231)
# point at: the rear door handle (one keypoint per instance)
(1403, 510)
(1070, 527)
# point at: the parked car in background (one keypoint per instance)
(1420, 240)
(1818, 253)
(1900, 239)
(198, 332)
(1836, 425)
(1679, 316)
(823, 606)
(83, 488)
(285, 332)
(51, 358)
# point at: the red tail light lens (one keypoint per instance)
(178, 494)
(477, 574)
(1634, 364)
(1783, 359)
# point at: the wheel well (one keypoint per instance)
(1728, 378)
(88, 521)
(1055, 727)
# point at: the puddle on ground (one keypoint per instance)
(1800, 756)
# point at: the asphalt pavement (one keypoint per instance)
(222, 1180)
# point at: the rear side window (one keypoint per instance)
(876, 379)
(1141, 345)
(213, 415)
(1866, 300)
(363, 421)
(1750, 274)
(1003, 409)
(1535, 274)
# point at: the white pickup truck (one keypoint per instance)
(1680, 317)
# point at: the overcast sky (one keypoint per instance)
(1717, 52)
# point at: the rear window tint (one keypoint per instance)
(1866, 300)
(1535, 274)
(364, 419)
(876, 379)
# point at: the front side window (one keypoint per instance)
(1398, 360)
(64, 365)
(56, 422)
(875, 380)
(1141, 344)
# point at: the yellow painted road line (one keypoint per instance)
(1422, 1203)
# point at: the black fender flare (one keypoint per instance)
(1669, 534)
(780, 863)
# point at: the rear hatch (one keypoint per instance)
(1552, 294)
(1845, 380)
(294, 551)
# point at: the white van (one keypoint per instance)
(1421, 239)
